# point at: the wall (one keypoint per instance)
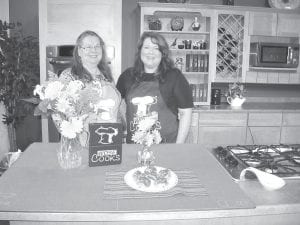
(26, 12)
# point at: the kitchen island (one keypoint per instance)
(35, 190)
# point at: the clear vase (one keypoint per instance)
(69, 153)
(146, 156)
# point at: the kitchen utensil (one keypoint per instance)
(269, 181)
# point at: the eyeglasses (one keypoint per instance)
(97, 48)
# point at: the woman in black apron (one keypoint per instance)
(155, 86)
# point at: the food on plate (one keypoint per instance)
(152, 176)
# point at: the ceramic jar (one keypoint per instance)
(195, 24)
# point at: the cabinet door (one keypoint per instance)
(291, 119)
(288, 25)
(221, 136)
(222, 128)
(290, 135)
(193, 133)
(263, 135)
(262, 23)
(264, 119)
(264, 128)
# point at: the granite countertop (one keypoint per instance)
(252, 106)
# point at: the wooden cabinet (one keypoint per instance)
(267, 23)
(290, 133)
(246, 127)
(288, 25)
(222, 128)
(262, 23)
(264, 128)
(189, 47)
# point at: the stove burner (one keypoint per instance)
(281, 160)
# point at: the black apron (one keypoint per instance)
(145, 98)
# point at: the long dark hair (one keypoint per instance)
(78, 70)
(166, 62)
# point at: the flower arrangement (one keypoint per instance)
(236, 90)
(147, 130)
(70, 103)
(147, 133)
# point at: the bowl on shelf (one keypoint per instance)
(180, 46)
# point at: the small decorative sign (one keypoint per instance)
(105, 144)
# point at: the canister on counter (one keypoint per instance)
(215, 97)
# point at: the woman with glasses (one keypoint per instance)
(90, 64)
(155, 86)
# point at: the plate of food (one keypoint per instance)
(151, 179)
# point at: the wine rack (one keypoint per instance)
(229, 47)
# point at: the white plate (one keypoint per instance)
(130, 181)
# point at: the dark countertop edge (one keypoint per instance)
(255, 106)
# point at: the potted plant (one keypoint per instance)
(19, 73)
(235, 94)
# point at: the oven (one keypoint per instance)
(59, 57)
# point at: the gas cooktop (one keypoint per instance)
(281, 160)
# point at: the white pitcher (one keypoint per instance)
(235, 101)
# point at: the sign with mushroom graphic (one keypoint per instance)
(105, 144)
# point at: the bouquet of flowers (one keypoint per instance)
(236, 90)
(71, 104)
(147, 133)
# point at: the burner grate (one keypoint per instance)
(280, 160)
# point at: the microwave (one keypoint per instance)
(59, 57)
(274, 55)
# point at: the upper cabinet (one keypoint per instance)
(288, 25)
(262, 23)
(274, 24)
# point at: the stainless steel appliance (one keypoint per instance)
(274, 55)
(59, 57)
(280, 160)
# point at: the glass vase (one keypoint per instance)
(69, 153)
(146, 156)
